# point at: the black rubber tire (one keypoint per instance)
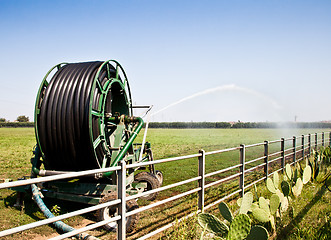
(152, 183)
(159, 176)
(111, 211)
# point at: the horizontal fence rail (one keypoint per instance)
(247, 170)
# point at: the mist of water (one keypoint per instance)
(231, 87)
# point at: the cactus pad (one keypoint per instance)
(284, 204)
(285, 178)
(295, 175)
(255, 191)
(285, 188)
(261, 215)
(272, 222)
(246, 203)
(271, 186)
(264, 205)
(254, 206)
(280, 194)
(225, 211)
(258, 233)
(239, 201)
(297, 188)
(213, 224)
(306, 174)
(274, 203)
(288, 171)
(240, 227)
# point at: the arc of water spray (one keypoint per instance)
(221, 88)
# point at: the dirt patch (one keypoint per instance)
(40, 237)
(83, 223)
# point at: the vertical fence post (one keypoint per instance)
(315, 141)
(282, 149)
(266, 158)
(121, 193)
(201, 182)
(323, 139)
(294, 148)
(242, 169)
(309, 143)
(303, 147)
(330, 139)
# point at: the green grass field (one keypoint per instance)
(16, 150)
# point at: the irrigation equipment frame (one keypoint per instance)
(272, 159)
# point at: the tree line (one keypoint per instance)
(192, 125)
(21, 118)
(21, 121)
(16, 124)
(240, 125)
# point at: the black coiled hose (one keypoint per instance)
(64, 119)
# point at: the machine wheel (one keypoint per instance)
(152, 183)
(108, 212)
(159, 176)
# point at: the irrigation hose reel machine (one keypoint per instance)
(84, 120)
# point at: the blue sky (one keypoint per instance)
(276, 55)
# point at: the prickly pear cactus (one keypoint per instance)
(263, 204)
(246, 203)
(254, 206)
(297, 188)
(312, 165)
(306, 174)
(295, 175)
(213, 224)
(239, 201)
(272, 222)
(284, 204)
(285, 188)
(274, 203)
(258, 233)
(271, 186)
(261, 215)
(255, 191)
(225, 211)
(288, 171)
(280, 194)
(240, 227)
(285, 178)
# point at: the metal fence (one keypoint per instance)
(250, 168)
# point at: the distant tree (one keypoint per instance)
(3, 120)
(22, 118)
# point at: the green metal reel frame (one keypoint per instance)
(100, 111)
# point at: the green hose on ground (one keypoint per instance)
(58, 224)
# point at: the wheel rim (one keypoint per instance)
(106, 215)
